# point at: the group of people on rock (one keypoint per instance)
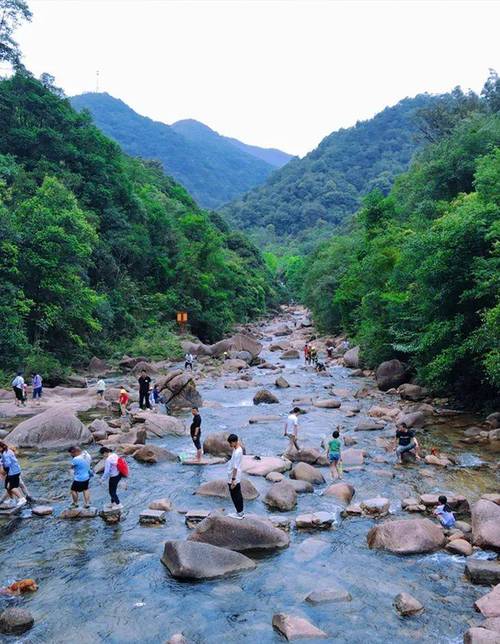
(20, 389)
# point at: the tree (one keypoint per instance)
(12, 13)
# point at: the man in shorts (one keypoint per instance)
(81, 476)
(196, 432)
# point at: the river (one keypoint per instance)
(102, 583)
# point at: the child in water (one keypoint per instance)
(444, 513)
(333, 453)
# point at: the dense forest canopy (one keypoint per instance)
(97, 247)
(211, 167)
(327, 185)
(418, 275)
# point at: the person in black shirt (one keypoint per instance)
(144, 384)
(406, 441)
(196, 432)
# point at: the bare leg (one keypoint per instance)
(86, 497)
(74, 496)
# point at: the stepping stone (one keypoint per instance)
(264, 419)
(328, 596)
(315, 521)
(484, 573)
(152, 517)
(205, 460)
(42, 510)
(161, 504)
(8, 512)
(354, 509)
(294, 628)
(193, 517)
(283, 523)
(79, 513)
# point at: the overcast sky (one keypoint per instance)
(273, 73)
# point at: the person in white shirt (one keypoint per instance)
(18, 387)
(101, 388)
(234, 476)
(292, 427)
(188, 361)
(111, 474)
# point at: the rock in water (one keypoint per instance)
(290, 354)
(343, 491)
(177, 638)
(391, 374)
(216, 444)
(332, 595)
(351, 358)
(378, 506)
(306, 472)
(412, 392)
(407, 605)
(191, 560)
(489, 604)
(459, 547)
(476, 635)
(152, 517)
(281, 496)
(281, 383)
(296, 628)
(263, 396)
(161, 504)
(153, 454)
(406, 537)
(15, 621)
(486, 524)
(160, 425)
(315, 521)
(483, 572)
(220, 488)
(327, 403)
(79, 513)
(55, 428)
(264, 465)
(248, 534)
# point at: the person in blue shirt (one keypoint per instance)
(80, 463)
(12, 473)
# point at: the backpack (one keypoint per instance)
(122, 466)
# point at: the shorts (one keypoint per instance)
(100, 392)
(37, 392)
(19, 393)
(196, 442)
(80, 486)
(11, 482)
(334, 457)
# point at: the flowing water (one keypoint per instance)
(101, 583)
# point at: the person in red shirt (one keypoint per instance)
(123, 401)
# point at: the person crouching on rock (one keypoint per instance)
(234, 476)
(406, 441)
(111, 474)
(12, 473)
(444, 513)
(81, 476)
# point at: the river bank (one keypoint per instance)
(103, 583)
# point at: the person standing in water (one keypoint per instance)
(111, 474)
(81, 476)
(37, 384)
(101, 388)
(144, 386)
(196, 432)
(12, 473)
(292, 427)
(123, 399)
(234, 476)
(18, 388)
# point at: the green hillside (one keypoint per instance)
(212, 169)
(97, 247)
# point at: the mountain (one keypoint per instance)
(194, 130)
(327, 185)
(99, 250)
(212, 168)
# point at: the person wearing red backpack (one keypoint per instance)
(115, 468)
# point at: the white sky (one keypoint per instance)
(273, 73)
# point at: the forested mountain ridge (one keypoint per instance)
(213, 169)
(417, 276)
(196, 131)
(98, 248)
(327, 184)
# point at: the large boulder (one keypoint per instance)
(415, 393)
(248, 534)
(483, 571)
(478, 635)
(406, 537)
(236, 343)
(97, 366)
(264, 396)
(55, 428)
(216, 444)
(133, 437)
(309, 455)
(342, 491)
(263, 465)
(15, 621)
(281, 496)
(127, 363)
(234, 364)
(220, 488)
(489, 605)
(391, 374)
(160, 425)
(192, 560)
(154, 454)
(179, 390)
(486, 524)
(351, 358)
(306, 472)
(290, 354)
